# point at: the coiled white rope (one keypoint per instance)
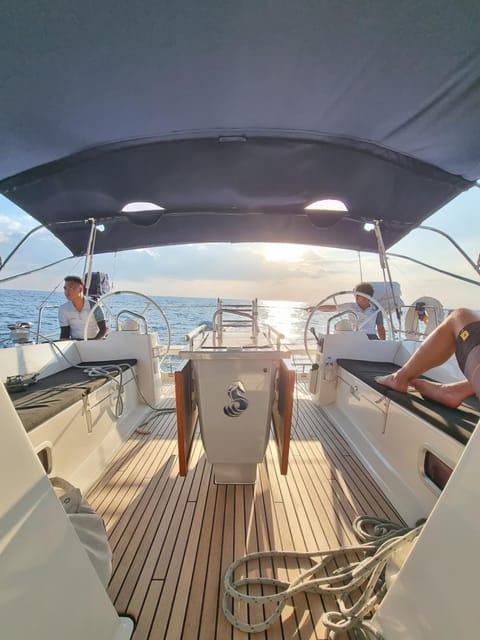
(365, 574)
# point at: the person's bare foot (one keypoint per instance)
(393, 381)
(451, 395)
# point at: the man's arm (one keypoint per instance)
(101, 322)
(380, 326)
(323, 307)
(65, 333)
(64, 323)
(102, 329)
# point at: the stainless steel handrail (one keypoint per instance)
(131, 313)
(40, 317)
(342, 313)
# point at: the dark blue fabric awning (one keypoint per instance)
(233, 116)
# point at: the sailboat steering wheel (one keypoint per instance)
(122, 305)
(310, 330)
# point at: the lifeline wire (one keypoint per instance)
(341, 582)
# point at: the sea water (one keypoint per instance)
(182, 313)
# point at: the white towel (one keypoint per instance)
(88, 525)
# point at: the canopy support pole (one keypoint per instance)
(87, 271)
(386, 268)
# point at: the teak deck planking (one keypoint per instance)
(173, 537)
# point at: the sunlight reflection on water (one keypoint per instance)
(183, 314)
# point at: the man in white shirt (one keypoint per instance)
(73, 315)
(370, 320)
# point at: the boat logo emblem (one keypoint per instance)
(239, 403)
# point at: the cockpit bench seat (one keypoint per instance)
(458, 423)
(54, 393)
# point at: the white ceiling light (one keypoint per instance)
(135, 207)
(327, 205)
(143, 214)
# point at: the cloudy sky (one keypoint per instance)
(268, 272)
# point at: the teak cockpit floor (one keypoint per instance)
(173, 538)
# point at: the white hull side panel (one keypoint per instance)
(436, 592)
(83, 438)
(44, 359)
(49, 590)
(391, 442)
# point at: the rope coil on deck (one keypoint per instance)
(368, 574)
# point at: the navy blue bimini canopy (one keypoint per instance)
(234, 116)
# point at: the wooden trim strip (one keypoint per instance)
(282, 412)
(187, 413)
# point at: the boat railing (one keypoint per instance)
(128, 312)
(271, 333)
(201, 330)
(246, 315)
(348, 312)
(41, 310)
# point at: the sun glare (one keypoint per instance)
(284, 252)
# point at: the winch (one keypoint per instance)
(20, 332)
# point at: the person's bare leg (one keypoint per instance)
(451, 395)
(436, 349)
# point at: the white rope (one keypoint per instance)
(115, 374)
(365, 574)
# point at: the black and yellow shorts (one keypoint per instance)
(468, 353)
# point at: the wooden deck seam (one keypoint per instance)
(173, 537)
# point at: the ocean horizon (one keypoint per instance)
(183, 313)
